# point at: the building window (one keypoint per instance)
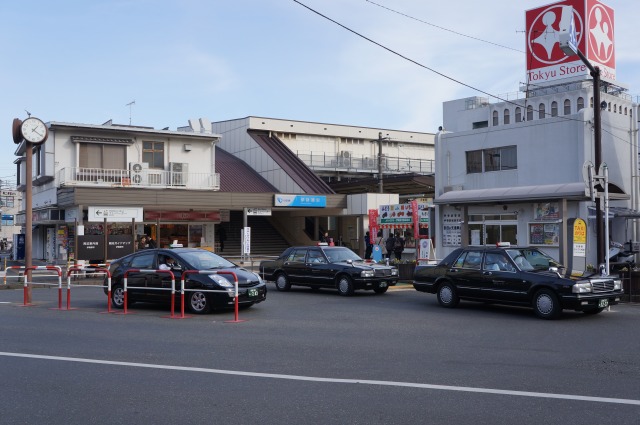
(506, 116)
(554, 109)
(7, 220)
(615, 108)
(474, 162)
(567, 107)
(153, 153)
(104, 156)
(495, 118)
(495, 159)
(625, 110)
(591, 102)
(529, 113)
(580, 103)
(480, 124)
(518, 114)
(490, 229)
(541, 112)
(7, 201)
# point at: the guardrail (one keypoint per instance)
(25, 270)
(173, 286)
(236, 294)
(94, 270)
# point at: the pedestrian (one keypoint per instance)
(142, 242)
(222, 237)
(390, 244)
(380, 243)
(325, 238)
(368, 246)
(398, 246)
(151, 243)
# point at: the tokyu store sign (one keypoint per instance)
(592, 26)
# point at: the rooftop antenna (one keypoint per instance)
(130, 105)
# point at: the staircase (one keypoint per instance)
(265, 240)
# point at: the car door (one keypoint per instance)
(162, 280)
(295, 266)
(140, 282)
(465, 273)
(503, 280)
(318, 271)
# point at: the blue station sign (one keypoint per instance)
(301, 201)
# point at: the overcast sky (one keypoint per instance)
(84, 61)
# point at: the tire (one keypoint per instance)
(198, 302)
(546, 304)
(593, 311)
(282, 282)
(345, 285)
(379, 289)
(117, 297)
(447, 295)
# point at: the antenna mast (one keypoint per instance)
(130, 105)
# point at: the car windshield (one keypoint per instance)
(528, 259)
(337, 255)
(204, 260)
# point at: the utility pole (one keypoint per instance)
(380, 188)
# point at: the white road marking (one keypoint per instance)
(332, 380)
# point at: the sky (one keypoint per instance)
(159, 63)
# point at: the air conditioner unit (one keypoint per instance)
(370, 163)
(139, 173)
(179, 172)
(345, 159)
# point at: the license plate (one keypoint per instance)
(254, 293)
(603, 303)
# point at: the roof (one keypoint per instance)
(402, 184)
(237, 176)
(302, 175)
(575, 191)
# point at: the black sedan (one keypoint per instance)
(515, 276)
(156, 287)
(329, 267)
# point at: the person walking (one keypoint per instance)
(398, 246)
(390, 244)
(368, 246)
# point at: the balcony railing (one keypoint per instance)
(320, 161)
(146, 178)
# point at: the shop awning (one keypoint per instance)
(621, 212)
(571, 191)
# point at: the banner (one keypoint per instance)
(373, 225)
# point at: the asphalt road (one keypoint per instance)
(315, 358)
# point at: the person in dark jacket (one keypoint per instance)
(398, 246)
(390, 244)
(368, 245)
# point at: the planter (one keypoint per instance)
(405, 271)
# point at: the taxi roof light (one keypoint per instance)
(503, 244)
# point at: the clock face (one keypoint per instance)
(34, 130)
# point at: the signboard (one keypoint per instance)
(373, 225)
(579, 238)
(305, 201)
(246, 240)
(402, 215)
(592, 33)
(259, 211)
(115, 214)
(90, 247)
(119, 246)
(182, 216)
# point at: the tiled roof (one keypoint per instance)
(302, 175)
(237, 176)
(85, 139)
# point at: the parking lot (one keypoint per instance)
(315, 357)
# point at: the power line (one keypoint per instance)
(443, 28)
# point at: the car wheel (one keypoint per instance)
(198, 302)
(596, 310)
(380, 288)
(345, 285)
(117, 297)
(546, 304)
(447, 295)
(282, 282)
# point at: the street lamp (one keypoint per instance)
(569, 44)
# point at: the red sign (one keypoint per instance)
(415, 216)
(182, 215)
(373, 225)
(594, 23)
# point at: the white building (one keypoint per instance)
(514, 170)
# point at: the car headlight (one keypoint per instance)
(258, 277)
(367, 273)
(394, 272)
(221, 280)
(581, 288)
(617, 284)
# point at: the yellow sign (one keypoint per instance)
(579, 231)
